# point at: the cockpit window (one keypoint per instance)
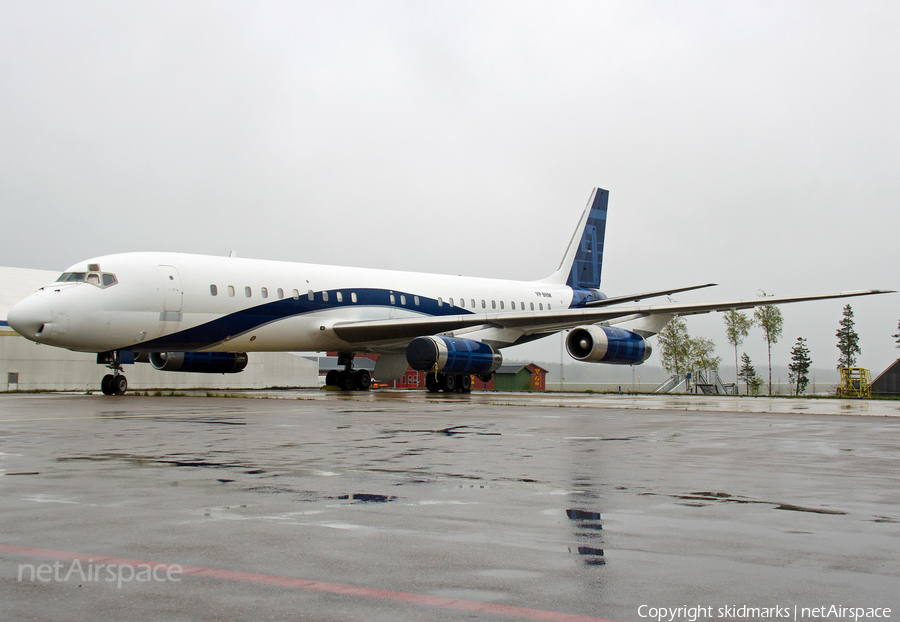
(72, 277)
(99, 279)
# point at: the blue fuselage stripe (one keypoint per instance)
(235, 324)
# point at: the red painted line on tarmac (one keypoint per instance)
(313, 586)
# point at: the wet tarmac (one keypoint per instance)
(399, 505)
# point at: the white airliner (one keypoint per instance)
(200, 313)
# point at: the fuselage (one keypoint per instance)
(149, 302)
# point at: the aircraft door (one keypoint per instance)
(172, 288)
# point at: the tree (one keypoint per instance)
(770, 320)
(737, 326)
(702, 355)
(675, 346)
(799, 366)
(897, 336)
(848, 340)
(747, 372)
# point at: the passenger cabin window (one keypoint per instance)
(280, 293)
(264, 292)
(340, 296)
(402, 299)
(296, 294)
(231, 290)
(501, 304)
(247, 291)
(451, 302)
(310, 295)
(392, 300)
(473, 302)
(532, 306)
(416, 300)
(483, 304)
(493, 304)
(324, 296)
(213, 290)
(352, 296)
(440, 301)
(462, 303)
(541, 305)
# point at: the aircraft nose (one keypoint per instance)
(29, 316)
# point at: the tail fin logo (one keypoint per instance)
(588, 260)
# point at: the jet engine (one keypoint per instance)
(200, 362)
(603, 344)
(452, 355)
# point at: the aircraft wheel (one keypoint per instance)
(345, 380)
(464, 382)
(431, 383)
(331, 378)
(448, 383)
(362, 380)
(119, 385)
(106, 384)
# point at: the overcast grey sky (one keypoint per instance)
(752, 144)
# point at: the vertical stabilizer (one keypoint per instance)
(583, 261)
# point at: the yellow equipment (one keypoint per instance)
(855, 382)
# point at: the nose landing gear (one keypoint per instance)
(114, 383)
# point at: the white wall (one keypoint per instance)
(47, 368)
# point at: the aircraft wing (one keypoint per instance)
(534, 322)
(636, 297)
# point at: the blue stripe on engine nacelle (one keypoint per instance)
(465, 356)
(604, 344)
(452, 355)
(624, 346)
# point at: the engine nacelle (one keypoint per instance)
(200, 362)
(603, 344)
(452, 355)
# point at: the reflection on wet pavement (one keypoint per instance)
(544, 502)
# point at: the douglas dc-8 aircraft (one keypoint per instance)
(197, 313)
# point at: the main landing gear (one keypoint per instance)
(349, 379)
(114, 383)
(448, 383)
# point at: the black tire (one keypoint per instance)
(362, 380)
(106, 384)
(464, 382)
(119, 385)
(345, 380)
(431, 383)
(448, 383)
(331, 378)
